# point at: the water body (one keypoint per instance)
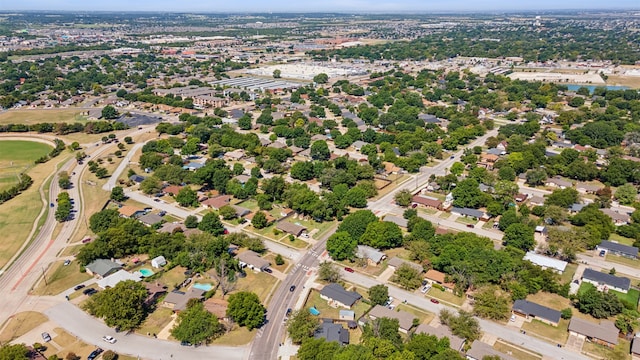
(592, 87)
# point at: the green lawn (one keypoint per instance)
(327, 311)
(621, 239)
(249, 204)
(156, 321)
(466, 220)
(17, 157)
(568, 273)
(631, 296)
(550, 333)
(445, 296)
(60, 278)
(445, 215)
(259, 283)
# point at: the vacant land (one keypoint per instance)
(20, 324)
(156, 321)
(259, 283)
(41, 115)
(17, 157)
(60, 278)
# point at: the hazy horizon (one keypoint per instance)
(325, 6)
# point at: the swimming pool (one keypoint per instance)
(314, 311)
(146, 272)
(205, 287)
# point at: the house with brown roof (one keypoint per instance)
(605, 333)
(128, 211)
(404, 318)
(480, 350)
(635, 348)
(427, 201)
(586, 188)
(455, 342)
(234, 155)
(172, 190)
(177, 300)
(217, 307)
(154, 291)
(291, 228)
(268, 216)
(395, 263)
(558, 182)
(437, 277)
(217, 202)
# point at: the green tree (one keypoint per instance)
(327, 271)
(187, 197)
(598, 304)
(457, 168)
(14, 352)
(356, 197)
(279, 260)
(211, 223)
(491, 303)
(196, 325)
(468, 194)
(519, 236)
(191, 222)
(321, 78)
(320, 150)
(228, 212)
(151, 185)
(121, 306)
(408, 277)
(356, 224)
(626, 194)
(563, 197)
(107, 355)
(63, 180)
(128, 140)
(277, 74)
(109, 112)
(536, 177)
(101, 173)
(259, 220)
(463, 325)
(403, 198)
(341, 246)
(245, 309)
(191, 146)
(117, 194)
(382, 235)
(301, 326)
(378, 294)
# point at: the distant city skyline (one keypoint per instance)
(320, 6)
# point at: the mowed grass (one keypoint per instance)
(620, 352)
(156, 321)
(18, 215)
(20, 324)
(18, 156)
(553, 334)
(41, 115)
(60, 278)
(515, 351)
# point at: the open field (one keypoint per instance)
(515, 351)
(17, 157)
(20, 324)
(42, 115)
(60, 278)
(259, 283)
(629, 81)
(18, 215)
(445, 296)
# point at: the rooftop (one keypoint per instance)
(620, 248)
(338, 293)
(605, 330)
(545, 261)
(607, 279)
(537, 310)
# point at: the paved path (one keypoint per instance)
(91, 331)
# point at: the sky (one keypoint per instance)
(314, 6)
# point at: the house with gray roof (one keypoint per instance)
(455, 342)
(405, 319)
(603, 281)
(373, 256)
(101, 268)
(635, 348)
(618, 218)
(332, 332)
(395, 262)
(253, 261)
(291, 228)
(336, 296)
(358, 144)
(605, 333)
(150, 219)
(177, 300)
(478, 214)
(615, 248)
(531, 310)
(480, 350)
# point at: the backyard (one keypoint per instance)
(327, 311)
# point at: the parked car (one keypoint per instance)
(452, 157)
(185, 343)
(46, 337)
(268, 271)
(470, 226)
(52, 205)
(109, 339)
(293, 287)
(288, 312)
(162, 213)
(78, 287)
(90, 291)
(84, 241)
(602, 253)
(425, 289)
(391, 307)
(94, 354)
(513, 318)
(435, 301)
(348, 269)
(67, 262)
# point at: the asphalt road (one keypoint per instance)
(266, 343)
(85, 327)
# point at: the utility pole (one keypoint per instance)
(44, 276)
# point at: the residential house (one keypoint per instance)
(131, 212)
(332, 332)
(217, 307)
(268, 216)
(586, 188)
(487, 161)
(404, 318)
(193, 166)
(172, 190)
(502, 146)
(429, 119)
(618, 218)
(605, 333)
(170, 228)
(520, 197)
(234, 155)
(150, 219)
(158, 262)
(177, 300)
(496, 151)
(136, 178)
(117, 277)
(242, 178)
(395, 263)
(154, 291)
(217, 202)
(427, 201)
(558, 182)
(576, 208)
(455, 342)
(253, 261)
(291, 228)
(241, 211)
(390, 168)
(467, 212)
(202, 101)
(101, 268)
(546, 262)
(604, 281)
(615, 248)
(398, 220)
(358, 144)
(536, 200)
(337, 296)
(531, 310)
(373, 256)
(480, 350)
(437, 277)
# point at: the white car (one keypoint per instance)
(109, 339)
(425, 289)
(513, 318)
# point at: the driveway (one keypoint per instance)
(90, 330)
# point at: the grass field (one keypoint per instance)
(16, 157)
(553, 334)
(515, 351)
(156, 321)
(259, 283)
(20, 324)
(60, 278)
(631, 296)
(621, 239)
(18, 215)
(445, 296)
(41, 115)
(620, 352)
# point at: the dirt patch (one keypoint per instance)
(20, 324)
